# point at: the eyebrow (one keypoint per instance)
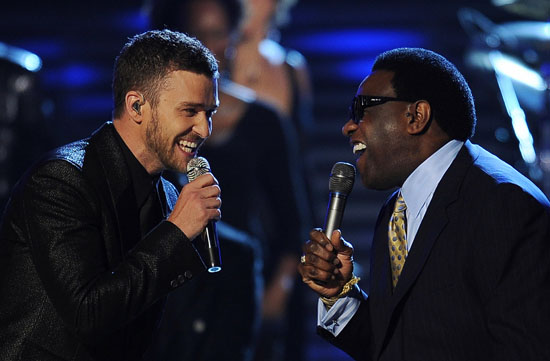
(181, 106)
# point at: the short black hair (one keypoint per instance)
(167, 14)
(425, 75)
(147, 58)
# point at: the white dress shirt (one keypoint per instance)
(417, 192)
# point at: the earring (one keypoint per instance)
(137, 107)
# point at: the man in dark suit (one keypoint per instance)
(93, 238)
(460, 264)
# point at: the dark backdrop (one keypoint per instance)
(78, 41)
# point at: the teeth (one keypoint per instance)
(187, 146)
(358, 147)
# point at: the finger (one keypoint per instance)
(322, 290)
(217, 215)
(212, 214)
(313, 285)
(316, 274)
(318, 236)
(321, 287)
(204, 180)
(320, 263)
(210, 191)
(339, 243)
(314, 248)
(212, 203)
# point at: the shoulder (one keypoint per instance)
(239, 239)
(492, 174)
(237, 91)
(272, 52)
(295, 59)
(264, 117)
(75, 165)
(265, 112)
(72, 153)
(277, 55)
(63, 162)
(236, 244)
(77, 152)
(58, 174)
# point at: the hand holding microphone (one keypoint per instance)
(327, 263)
(197, 209)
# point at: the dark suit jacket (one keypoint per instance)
(217, 316)
(476, 283)
(77, 282)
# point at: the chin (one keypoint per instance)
(374, 184)
(180, 167)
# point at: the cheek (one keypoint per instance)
(379, 150)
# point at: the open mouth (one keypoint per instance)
(359, 148)
(187, 146)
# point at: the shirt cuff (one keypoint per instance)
(337, 317)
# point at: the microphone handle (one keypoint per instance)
(335, 212)
(212, 247)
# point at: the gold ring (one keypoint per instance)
(303, 259)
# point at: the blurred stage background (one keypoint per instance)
(503, 51)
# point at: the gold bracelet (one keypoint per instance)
(330, 301)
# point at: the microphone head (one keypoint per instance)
(341, 178)
(197, 167)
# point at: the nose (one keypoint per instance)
(349, 128)
(203, 125)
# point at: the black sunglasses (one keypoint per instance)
(360, 102)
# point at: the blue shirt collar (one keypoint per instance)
(423, 181)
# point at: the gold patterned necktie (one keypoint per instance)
(397, 235)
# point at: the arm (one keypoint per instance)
(219, 318)
(327, 268)
(236, 299)
(514, 268)
(300, 78)
(67, 236)
(283, 184)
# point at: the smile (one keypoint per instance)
(358, 148)
(187, 146)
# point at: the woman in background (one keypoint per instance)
(253, 152)
(278, 75)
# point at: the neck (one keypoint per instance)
(253, 35)
(130, 132)
(424, 146)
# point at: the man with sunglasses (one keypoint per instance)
(460, 259)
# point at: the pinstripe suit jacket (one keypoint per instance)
(476, 284)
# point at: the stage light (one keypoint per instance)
(510, 67)
(24, 58)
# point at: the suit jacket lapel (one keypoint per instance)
(432, 225)
(117, 185)
(380, 292)
(169, 196)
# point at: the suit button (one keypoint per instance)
(188, 274)
(199, 326)
(174, 283)
(181, 279)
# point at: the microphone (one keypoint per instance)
(195, 168)
(340, 184)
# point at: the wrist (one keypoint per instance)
(348, 286)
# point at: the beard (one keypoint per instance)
(163, 148)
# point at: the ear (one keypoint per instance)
(134, 102)
(419, 116)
